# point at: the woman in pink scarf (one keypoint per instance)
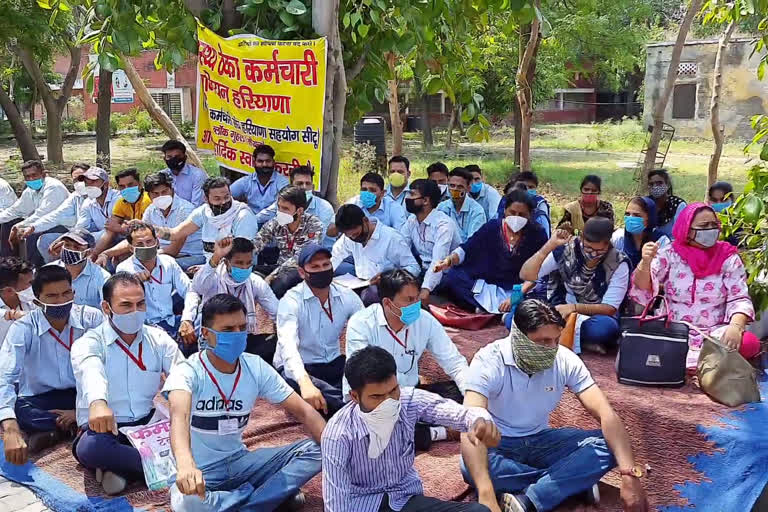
(704, 281)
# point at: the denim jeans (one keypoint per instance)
(186, 261)
(259, 480)
(32, 411)
(549, 466)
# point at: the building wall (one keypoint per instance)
(743, 95)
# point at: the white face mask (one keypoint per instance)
(381, 422)
(442, 188)
(80, 188)
(129, 323)
(283, 218)
(26, 295)
(515, 223)
(93, 192)
(162, 202)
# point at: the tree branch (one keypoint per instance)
(33, 68)
(69, 80)
(358, 66)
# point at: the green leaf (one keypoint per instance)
(287, 18)
(346, 20)
(761, 70)
(362, 29)
(108, 61)
(89, 84)
(356, 18)
(475, 133)
(296, 7)
(434, 86)
(484, 122)
(764, 152)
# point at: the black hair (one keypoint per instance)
(79, 165)
(723, 186)
(304, 170)
(293, 195)
(216, 182)
(349, 216)
(461, 172)
(594, 180)
(173, 144)
(263, 149)
(129, 172)
(597, 229)
(138, 225)
(122, 277)
(374, 178)
(664, 174)
(437, 167)
(640, 203)
(369, 365)
(49, 274)
(392, 281)
(157, 179)
(221, 304)
(32, 163)
(240, 245)
(518, 196)
(525, 176)
(428, 189)
(531, 314)
(401, 159)
(10, 268)
(473, 168)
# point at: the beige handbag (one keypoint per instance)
(725, 376)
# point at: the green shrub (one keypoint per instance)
(73, 125)
(5, 127)
(90, 124)
(143, 123)
(187, 129)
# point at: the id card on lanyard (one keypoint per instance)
(229, 425)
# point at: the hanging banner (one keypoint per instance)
(253, 91)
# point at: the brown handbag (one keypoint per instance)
(725, 376)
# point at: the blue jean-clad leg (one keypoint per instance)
(600, 330)
(32, 411)
(186, 261)
(506, 467)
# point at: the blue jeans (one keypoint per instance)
(186, 261)
(32, 411)
(600, 330)
(259, 480)
(549, 466)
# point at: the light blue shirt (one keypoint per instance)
(257, 380)
(389, 212)
(165, 279)
(244, 224)
(88, 284)
(92, 216)
(385, 250)
(249, 189)
(181, 209)
(433, 240)
(31, 355)
(489, 198)
(318, 207)
(65, 215)
(469, 219)
(188, 184)
(399, 199)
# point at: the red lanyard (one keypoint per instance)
(394, 336)
(161, 275)
(216, 383)
(292, 240)
(328, 311)
(504, 229)
(140, 361)
(61, 342)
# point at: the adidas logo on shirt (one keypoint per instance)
(217, 404)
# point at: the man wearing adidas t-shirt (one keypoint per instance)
(211, 396)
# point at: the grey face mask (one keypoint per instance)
(145, 253)
(657, 191)
(706, 237)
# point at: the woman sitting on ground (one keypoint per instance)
(639, 229)
(484, 269)
(528, 182)
(668, 205)
(704, 282)
(578, 212)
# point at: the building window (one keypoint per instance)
(687, 69)
(684, 101)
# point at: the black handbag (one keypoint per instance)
(652, 350)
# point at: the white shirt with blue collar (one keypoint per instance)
(249, 189)
(385, 250)
(317, 206)
(103, 371)
(469, 219)
(181, 209)
(88, 283)
(167, 277)
(93, 216)
(389, 212)
(40, 363)
(400, 199)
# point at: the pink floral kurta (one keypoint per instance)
(708, 303)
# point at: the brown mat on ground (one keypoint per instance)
(662, 424)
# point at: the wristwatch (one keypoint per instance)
(637, 471)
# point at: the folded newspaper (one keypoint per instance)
(153, 441)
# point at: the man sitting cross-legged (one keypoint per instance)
(212, 394)
(36, 354)
(520, 380)
(367, 446)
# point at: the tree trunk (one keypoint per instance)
(103, 113)
(449, 138)
(525, 94)
(32, 107)
(230, 17)
(518, 131)
(717, 85)
(20, 131)
(394, 107)
(661, 104)
(325, 16)
(156, 112)
(426, 122)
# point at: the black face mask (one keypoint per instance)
(176, 163)
(322, 279)
(412, 207)
(218, 209)
(264, 171)
(362, 238)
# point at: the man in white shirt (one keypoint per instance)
(87, 277)
(399, 176)
(41, 196)
(186, 178)
(36, 355)
(16, 297)
(374, 246)
(216, 472)
(430, 233)
(165, 284)
(118, 368)
(7, 194)
(310, 319)
(487, 196)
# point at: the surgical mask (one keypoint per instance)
(410, 313)
(442, 188)
(531, 357)
(264, 171)
(93, 192)
(634, 225)
(658, 191)
(175, 163)
(719, 207)
(57, 311)
(283, 219)
(129, 323)
(457, 194)
(35, 184)
(309, 195)
(592, 254)
(240, 275)
(515, 222)
(367, 199)
(706, 237)
(162, 202)
(532, 192)
(69, 257)
(412, 207)
(145, 253)
(320, 280)
(26, 295)
(476, 187)
(218, 209)
(588, 198)
(397, 180)
(229, 345)
(80, 188)
(381, 423)
(131, 194)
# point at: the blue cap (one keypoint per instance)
(308, 252)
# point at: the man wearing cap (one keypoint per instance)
(588, 278)
(87, 277)
(310, 319)
(100, 200)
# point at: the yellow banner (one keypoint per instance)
(253, 91)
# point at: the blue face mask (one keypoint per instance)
(368, 199)
(130, 194)
(35, 184)
(240, 275)
(719, 207)
(532, 192)
(230, 345)
(634, 225)
(410, 313)
(476, 187)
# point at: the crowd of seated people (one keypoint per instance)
(171, 282)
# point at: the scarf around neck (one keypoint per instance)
(243, 291)
(587, 284)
